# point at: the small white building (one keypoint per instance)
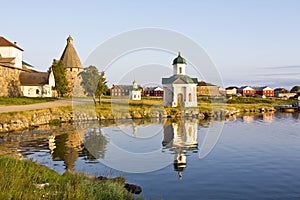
(135, 93)
(180, 89)
(37, 84)
(10, 53)
(231, 90)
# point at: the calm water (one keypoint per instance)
(253, 157)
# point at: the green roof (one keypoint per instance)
(179, 60)
(25, 63)
(179, 79)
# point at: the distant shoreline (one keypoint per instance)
(21, 120)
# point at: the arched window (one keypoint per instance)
(37, 91)
(180, 70)
(190, 97)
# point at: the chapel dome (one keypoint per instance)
(179, 60)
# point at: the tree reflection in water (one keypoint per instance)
(68, 147)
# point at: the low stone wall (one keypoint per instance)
(27, 119)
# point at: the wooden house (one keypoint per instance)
(246, 91)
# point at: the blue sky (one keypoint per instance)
(253, 42)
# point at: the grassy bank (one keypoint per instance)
(23, 179)
(24, 100)
(122, 108)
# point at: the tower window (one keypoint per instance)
(180, 70)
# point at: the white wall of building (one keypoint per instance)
(231, 91)
(135, 95)
(37, 91)
(12, 52)
(188, 92)
(179, 69)
(168, 95)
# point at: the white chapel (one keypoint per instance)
(135, 93)
(180, 89)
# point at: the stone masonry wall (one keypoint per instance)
(9, 81)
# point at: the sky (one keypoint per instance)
(250, 42)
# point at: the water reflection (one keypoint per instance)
(65, 147)
(259, 154)
(180, 137)
(173, 141)
(265, 117)
(68, 147)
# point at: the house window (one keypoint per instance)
(134, 96)
(37, 91)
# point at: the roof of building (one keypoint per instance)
(154, 88)
(202, 83)
(69, 56)
(231, 88)
(34, 78)
(262, 88)
(27, 64)
(122, 87)
(179, 60)
(5, 43)
(179, 79)
(246, 87)
(8, 61)
(125, 87)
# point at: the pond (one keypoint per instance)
(249, 157)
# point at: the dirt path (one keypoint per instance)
(50, 104)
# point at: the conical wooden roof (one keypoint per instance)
(69, 56)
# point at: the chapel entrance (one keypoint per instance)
(179, 100)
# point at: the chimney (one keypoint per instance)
(15, 43)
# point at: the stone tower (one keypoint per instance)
(73, 68)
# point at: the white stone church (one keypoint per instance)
(180, 90)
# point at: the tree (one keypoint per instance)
(93, 83)
(61, 82)
(295, 89)
(101, 86)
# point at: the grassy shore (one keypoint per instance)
(24, 100)
(120, 108)
(25, 179)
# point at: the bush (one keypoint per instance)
(55, 122)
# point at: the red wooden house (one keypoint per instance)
(154, 91)
(264, 91)
(246, 91)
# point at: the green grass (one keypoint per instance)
(258, 100)
(24, 100)
(19, 179)
(55, 122)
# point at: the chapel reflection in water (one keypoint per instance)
(180, 137)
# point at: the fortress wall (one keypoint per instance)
(9, 81)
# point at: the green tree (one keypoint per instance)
(93, 83)
(295, 89)
(101, 86)
(61, 82)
